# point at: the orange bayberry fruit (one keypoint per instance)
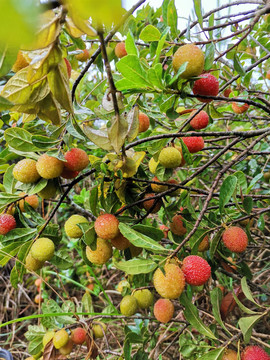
(78, 336)
(7, 223)
(163, 310)
(49, 167)
(235, 239)
(194, 57)
(66, 349)
(120, 50)
(77, 159)
(254, 353)
(38, 299)
(144, 122)
(170, 285)
(239, 109)
(229, 355)
(177, 225)
(200, 121)
(106, 226)
(83, 56)
(227, 92)
(165, 230)
(204, 244)
(149, 203)
(38, 282)
(120, 242)
(31, 200)
(102, 253)
(208, 85)
(268, 75)
(196, 270)
(194, 143)
(158, 188)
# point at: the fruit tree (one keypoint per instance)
(134, 194)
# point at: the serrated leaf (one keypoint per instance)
(74, 129)
(192, 316)
(246, 325)
(226, 191)
(214, 243)
(136, 266)
(159, 48)
(241, 181)
(140, 240)
(150, 33)
(179, 72)
(243, 307)
(150, 231)
(49, 110)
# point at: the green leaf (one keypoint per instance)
(35, 335)
(9, 181)
(131, 48)
(136, 266)
(247, 292)
(20, 139)
(246, 325)
(62, 260)
(241, 181)
(216, 297)
(192, 316)
(243, 307)
(154, 76)
(238, 66)
(150, 231)
(43, 142)
(248, 204)
(7, 252)
(8, 57)
(209, 56)
(87, 303)
(186, 154)
(74, 129)
(89, 237)
(94, 200)
(98, 137)
(226, 191)
(150, 33)
(140, 240)
(172, 18)
(216, 354)
(179, 72)
(214, 243)
(5, 104)
(198, 10)
(117, 132)
(159, 49)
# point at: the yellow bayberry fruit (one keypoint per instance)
(72, 229)
(60, 338)
(47, 337)
(49, 167)
(102, 253)
(97, 329)
(66, 349)
(170, 158)
(42, 249)
(191, 54)
(144, 298)
(170, 285)
(25, 171)
(33, 264)
(49, 191)
(128, 305)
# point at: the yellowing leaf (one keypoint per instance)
(49, 110)
(98, 137)
(72, 28)
(133, 123)
(117, 132)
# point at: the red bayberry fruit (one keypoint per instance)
(78, 336)
(235, 239)
(120, 50)
(177, 226)
(194, 143)
(7, 223)
(149, 203)
(77, 159)
(254, 353)
(163, 310)
(69, 174)
(196, 270)
(208, 85)
(106, 226)
(227, 92)
(239, 109)
(200, 121)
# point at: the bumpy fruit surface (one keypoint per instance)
(144, 122)
(77, 159)
(268, 75)
(235, 239)
(204, 244)
(170, 285)
(31, 200)
(7, 223)
(158, 188)
(97, 330)
(144, 298)
(68, 65)
(128, 305)
(106, 226)
(163, 310)
(120, 242)
(147, 205)
(165, 230)
(227, 92)
(72, 229)
(60, 338)
(196, 270)
(38, 282)
(102, 253)
(170, 158)
(200, 121)
(239, 109)
(153, 165)
(208, 86)
(120, 50)
(69, 174)
(175, 192)
(25, 171)
(38, 299)
(193, 55)
(32, 264)
(42, 249)
(49, 191)
(254, 353)
(66, 349)
(194, 143)
(20, 62)
(83, 56)
(78, 335)
(229, 355)
(177, 226)
(49, 167)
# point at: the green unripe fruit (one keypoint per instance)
(144, 298)
(170, 158)
(47, 337)
(128, 305)
(72, 230)
(33, 264)
(60, 338)
(49, 191)
(42, 249)
(25, 171)
(97, 330)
